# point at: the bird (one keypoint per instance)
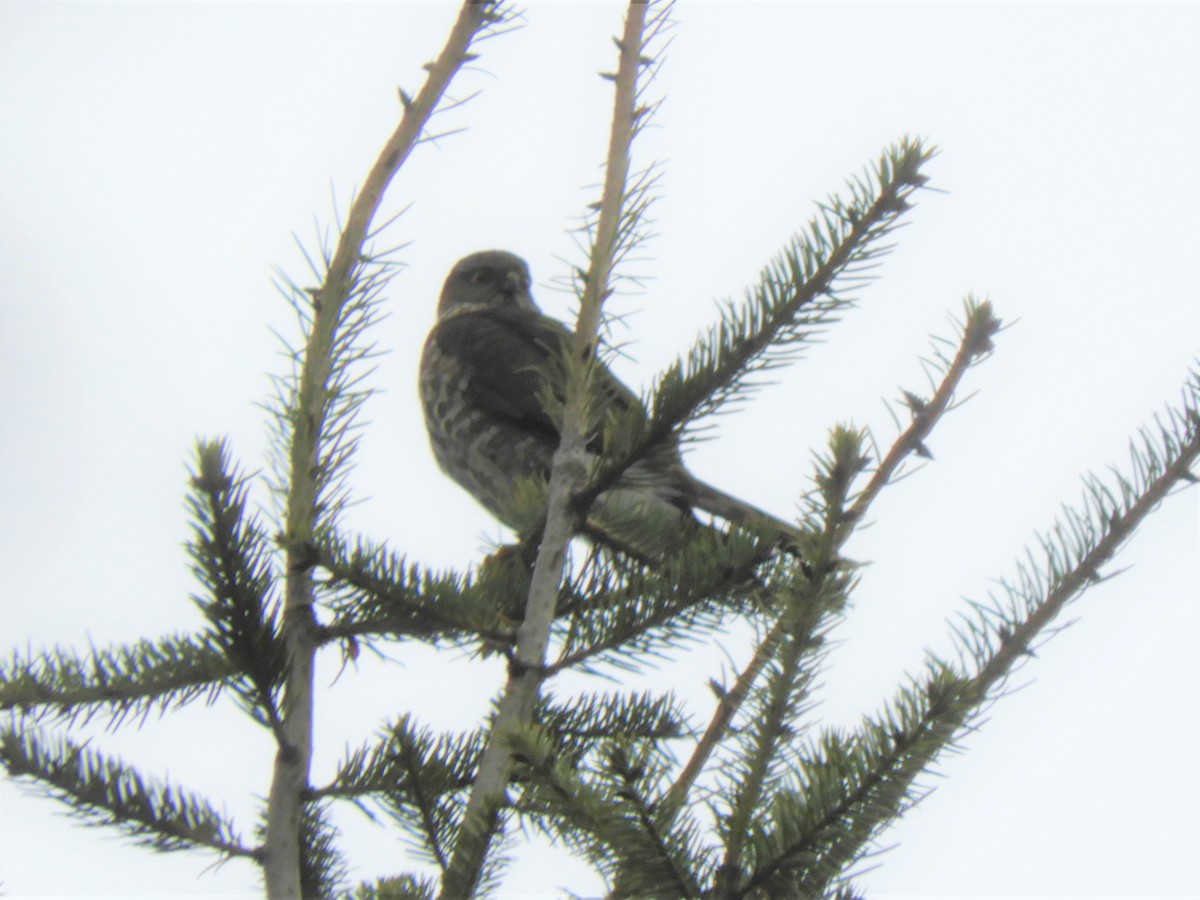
(484, 373)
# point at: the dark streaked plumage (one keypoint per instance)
(482, 373)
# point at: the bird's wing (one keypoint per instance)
(510, 354)
(505, 353)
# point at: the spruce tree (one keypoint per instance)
(759, 799)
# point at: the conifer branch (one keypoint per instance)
(660, 862)
(786, 685)
(322, 868)
(409, 887)
(869, 781)
(104, 791)
(468, 865)
(827, 260)
(979, 327)
(796, 811)
(786, 664)
(616, 606)
(806, 605)
(121, 681)
(846, 788)
(418, 778)
(1082, 542)
(618, 609)
(825, 597)
(372, 590)
(607, 608)
(578, 724)
(606, 813)
(231, 557)
(316, 435)
(799, 293)
(407, 750)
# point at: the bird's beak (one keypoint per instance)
(513, 283)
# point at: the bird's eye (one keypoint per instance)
(479, 277)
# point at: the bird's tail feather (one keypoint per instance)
(716, 502)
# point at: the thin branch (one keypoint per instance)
(568, 473)
(797, 294)
(231, 556)
(122, 681)
(1117, 525)
(308, 472)
(978, 329)
(902, 742)
(101, 790)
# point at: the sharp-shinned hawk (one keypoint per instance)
(483, 372)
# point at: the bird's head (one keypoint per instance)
(487, 280)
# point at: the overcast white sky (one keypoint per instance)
(157, 158)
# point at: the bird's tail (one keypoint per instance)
(647, 518)
(716, 502)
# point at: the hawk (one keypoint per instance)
(484, 369)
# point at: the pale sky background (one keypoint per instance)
(157, 158)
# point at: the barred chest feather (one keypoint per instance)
(485, 453)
